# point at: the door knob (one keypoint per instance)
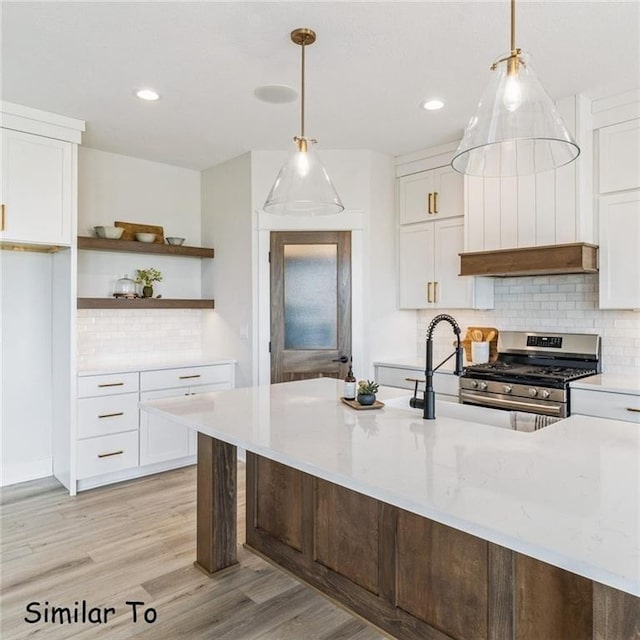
(342, 359)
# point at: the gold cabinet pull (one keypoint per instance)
(111, 384)
(430, 203)
(2, 207)
(435, 202)
(111, 415)
(112, 453)
(633, 410)
(197, 375)
(435, 292)
(429, 295)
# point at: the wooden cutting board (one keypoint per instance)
(131, 228)
(493, 344)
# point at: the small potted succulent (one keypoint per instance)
(146, 277)
(367, 391)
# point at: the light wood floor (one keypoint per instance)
(135, 541)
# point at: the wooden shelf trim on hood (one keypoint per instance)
(555, 259)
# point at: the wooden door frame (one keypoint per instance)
(342, 238)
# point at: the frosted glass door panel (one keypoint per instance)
(310, 296)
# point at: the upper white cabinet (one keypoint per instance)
(39, 176)
(433, 194)
(619, 257)
(36, 188)
(429, 266)
(553, 207)
(619, 156)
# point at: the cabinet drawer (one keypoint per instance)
(185, 377)
(604, 404)
(106, 385)
(107, 415)
(107, 454)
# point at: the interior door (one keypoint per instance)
(310, 304)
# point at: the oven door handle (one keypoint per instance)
(509, 404)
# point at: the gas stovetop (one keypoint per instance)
(507, 370)
(541, 359)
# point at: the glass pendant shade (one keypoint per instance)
(517, 129)
(303, 186)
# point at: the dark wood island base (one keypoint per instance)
(410, 576)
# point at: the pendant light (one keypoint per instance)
(303, 186)
(517, 129)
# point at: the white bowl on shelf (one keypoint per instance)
(175, 241)
(146, 237)
(110, 233)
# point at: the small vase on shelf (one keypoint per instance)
(147, 292)
(366, 399)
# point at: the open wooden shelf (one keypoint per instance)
(144, 303)
(133, 246)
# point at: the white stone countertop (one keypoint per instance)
(568, 495)
(612, 382)
(100, 370)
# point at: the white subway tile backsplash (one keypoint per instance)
(562, 303)
(138, 337)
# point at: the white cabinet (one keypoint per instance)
(619, 156)
(446, 385)
(437, 193)
(117, 441)
(429, 266)
(619, 274)
(606, 404)
(37, 189)
(161, 439)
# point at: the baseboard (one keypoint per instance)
(135, 472)
(13, 472)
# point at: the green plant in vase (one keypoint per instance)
(146, 277)
(367, 391)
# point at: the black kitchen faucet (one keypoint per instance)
(429, 402)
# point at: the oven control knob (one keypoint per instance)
(474, 384)
(507, 388)
(482, 386)
(533, 392)
(544, 393)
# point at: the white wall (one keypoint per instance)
(227, 226)
(115, 187)
(26, 365)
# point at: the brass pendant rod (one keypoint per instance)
(302, 95)
(513, 26)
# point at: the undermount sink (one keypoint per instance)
(467, 412)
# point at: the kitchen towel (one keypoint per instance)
(529, 422)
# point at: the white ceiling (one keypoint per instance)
(372, 65)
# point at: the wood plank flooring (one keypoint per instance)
(135, 541)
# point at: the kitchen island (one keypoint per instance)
(429, 529)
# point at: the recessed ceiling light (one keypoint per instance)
(276, 93)
(432, 105)
(147, 94)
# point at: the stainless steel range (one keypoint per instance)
(532, 372)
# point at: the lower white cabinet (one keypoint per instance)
(606, 404)
(446, 385)
(429, 267)
(117, 441)
(619, 269)
(162, 439)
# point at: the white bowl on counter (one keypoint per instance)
(110, 233)
(146, 237)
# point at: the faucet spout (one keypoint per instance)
(429, 412)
